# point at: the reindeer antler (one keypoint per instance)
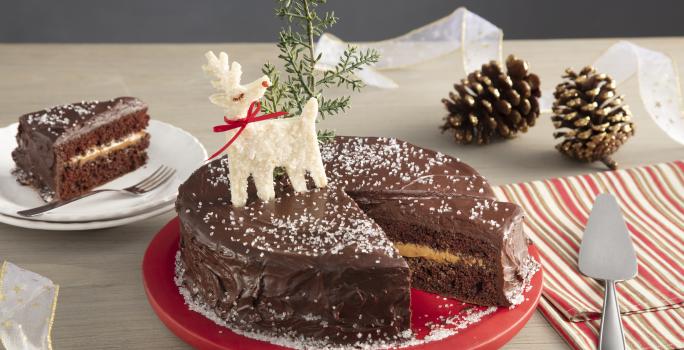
(228, 77)
(233, 97)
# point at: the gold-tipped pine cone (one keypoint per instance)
(591, 117)
(490, 103)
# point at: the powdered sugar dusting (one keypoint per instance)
(318, 222)
(451, 325)
(382, 164)
(56, 118)
(66, 119)
(218, 174)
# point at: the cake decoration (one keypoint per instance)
(591, 117)
(27, 308)
(257, 150)
(478, 40)
(658, 79)
(300, 79)
(493, 103)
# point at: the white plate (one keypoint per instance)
(84, 225)
(169, 146)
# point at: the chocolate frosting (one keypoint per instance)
(315, 264)
(57, 124)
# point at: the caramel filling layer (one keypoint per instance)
(412, 250)
(98, 151)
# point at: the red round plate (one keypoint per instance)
(491, 332)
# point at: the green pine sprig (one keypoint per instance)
(301, 81)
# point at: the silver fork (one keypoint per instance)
(159, 177)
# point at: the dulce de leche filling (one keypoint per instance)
(412, 250)
(99, 151)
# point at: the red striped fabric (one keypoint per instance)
(652, 200)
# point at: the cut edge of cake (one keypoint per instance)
(456, 245)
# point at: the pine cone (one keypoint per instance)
(595, 119)
(491, 102)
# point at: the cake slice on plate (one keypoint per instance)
(67, 150)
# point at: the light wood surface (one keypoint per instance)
(102, 304)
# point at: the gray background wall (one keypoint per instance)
(253, 20)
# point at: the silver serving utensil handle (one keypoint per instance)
(612, 336)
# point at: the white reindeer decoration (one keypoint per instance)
(264, 145)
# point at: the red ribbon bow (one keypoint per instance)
(254, 110)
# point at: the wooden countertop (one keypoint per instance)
(102, 303)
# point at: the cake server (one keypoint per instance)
(607, 254)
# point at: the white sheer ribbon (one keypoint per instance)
(479, 41)
(658, 82)
(27, 309)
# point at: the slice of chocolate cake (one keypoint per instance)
(67, 150)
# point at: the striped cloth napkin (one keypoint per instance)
(652, 200)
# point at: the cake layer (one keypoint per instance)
(106, 132)
(78, 177)
(50, 139)
(472, 284)
(413, 250)
(99, 151)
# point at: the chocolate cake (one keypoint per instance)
(66, 150)
(335, 265)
